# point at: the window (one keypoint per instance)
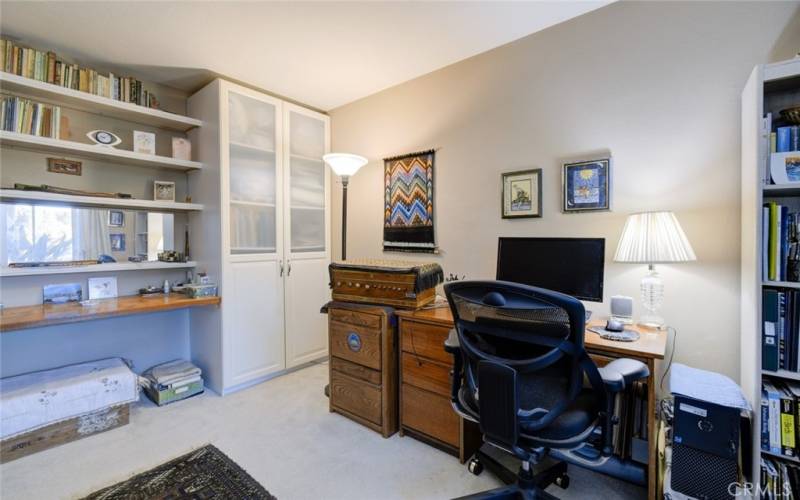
(38, 233)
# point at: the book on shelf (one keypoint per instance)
(49, 68)
(778, 479)
(780, 334)
(780, 417)
(28, 117)
(780, 243)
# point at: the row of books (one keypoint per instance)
(779, 240)
(29, 117)
(785, 139)
(48, 67)
(779, 480)
(780, 417)
(780, 336)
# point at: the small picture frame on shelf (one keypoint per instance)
(62, 293)
(64, 166)
(116, 218)
(522, 194)
(587, 186)
(102, 288)
(117, 242)
(785, 167)
(144, 142)
(163, 191)
(181, 148)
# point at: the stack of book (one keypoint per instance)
(779, 480)
(780, 417)
(48, 67)
(780, 335)
(779, 242)
(173, 381)
(29, 117)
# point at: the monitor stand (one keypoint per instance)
(588, 315)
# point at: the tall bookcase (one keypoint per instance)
(769, 89)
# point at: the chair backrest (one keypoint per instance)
(524, 347)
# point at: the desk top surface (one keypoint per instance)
(652, 343)
(18, 318)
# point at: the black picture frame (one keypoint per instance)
(521, 194)
(589, 201)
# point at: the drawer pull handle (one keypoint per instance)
(354, 342)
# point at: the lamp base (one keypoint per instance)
(651, 321)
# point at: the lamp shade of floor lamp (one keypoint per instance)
(344, 165)
(653, 238)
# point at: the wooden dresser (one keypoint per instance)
(363, 365)
(425, 373)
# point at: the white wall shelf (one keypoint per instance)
(91, 151)
(100, 105)
(782, 374)
(784, 284)
(42, 198)
(111, 267)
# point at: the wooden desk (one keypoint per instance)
(18, 318)
(651, 346)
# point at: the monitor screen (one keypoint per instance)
(573, 266)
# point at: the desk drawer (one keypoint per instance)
(358, 344)
(355, 318)
(430, 414)
(425, 340)
(357, 397)
(426, 374)
(356, 371)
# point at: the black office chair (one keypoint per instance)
(519, 371)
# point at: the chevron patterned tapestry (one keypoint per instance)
(408, 203)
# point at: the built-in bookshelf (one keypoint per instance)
(100, 105)
(93, 151)
(109, 267)
(769, 89)
(44, 198)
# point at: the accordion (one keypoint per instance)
(405, 285)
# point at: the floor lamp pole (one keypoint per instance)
(345, 180)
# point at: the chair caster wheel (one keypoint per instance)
(562, 481)
(475, 467)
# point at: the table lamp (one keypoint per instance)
(653, 238)
(344, 165)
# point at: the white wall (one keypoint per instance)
(656, 83)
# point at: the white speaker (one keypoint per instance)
(622, 308)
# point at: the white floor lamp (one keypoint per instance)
(344, 165)
(653, 238)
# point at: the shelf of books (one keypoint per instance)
(770, 344)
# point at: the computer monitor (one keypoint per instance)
(573, 266)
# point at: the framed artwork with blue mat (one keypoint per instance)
(408, 203)
(587, 186)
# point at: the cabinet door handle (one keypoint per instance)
(289, 272)
(281, 268)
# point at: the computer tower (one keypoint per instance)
(705, 449)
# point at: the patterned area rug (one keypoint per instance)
(201, 474)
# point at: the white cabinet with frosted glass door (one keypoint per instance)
(306, 233)
(252, 196)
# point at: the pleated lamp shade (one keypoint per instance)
(652, 238)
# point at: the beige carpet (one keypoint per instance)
(282, 434)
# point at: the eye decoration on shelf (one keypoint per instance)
(103, 138)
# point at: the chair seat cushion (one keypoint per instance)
(576, 419)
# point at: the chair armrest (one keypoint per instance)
(451, 344)
(621, 373)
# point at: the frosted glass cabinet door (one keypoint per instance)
(307, 141)
(252, 178)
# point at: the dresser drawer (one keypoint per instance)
(356, 396)
(426, 374)
(425, 340)
(356, 371)
(430, 414)
(358, 344)
(355, 318)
